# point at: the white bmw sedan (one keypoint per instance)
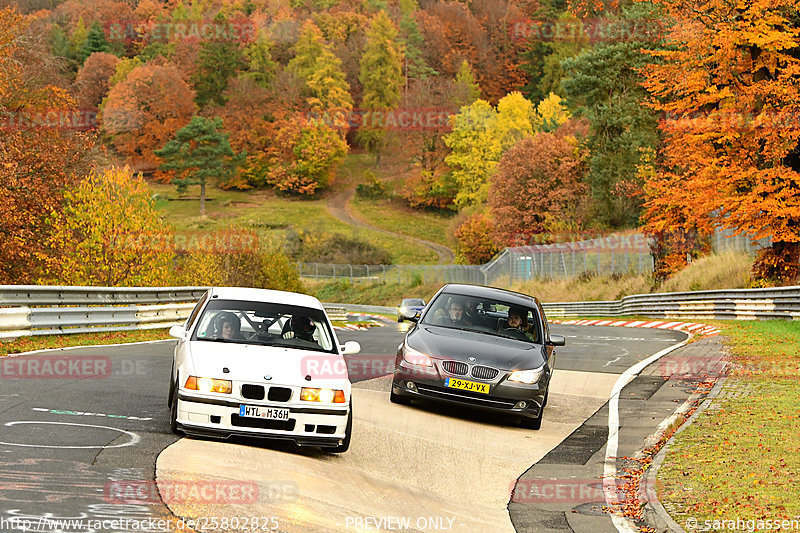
(261, 363)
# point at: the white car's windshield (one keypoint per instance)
(265, 324)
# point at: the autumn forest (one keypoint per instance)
(532, 119)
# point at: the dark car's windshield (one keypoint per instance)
(489, 316)
(265, 324)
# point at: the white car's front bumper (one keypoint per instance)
(308, 423)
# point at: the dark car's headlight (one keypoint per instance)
(529, 377)
(415, 357)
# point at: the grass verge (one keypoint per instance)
(392, 215)
(50, 342)
(390, 294)
(273, 216)
(740, 459)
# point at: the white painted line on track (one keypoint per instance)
(133, 436)
(622, 523)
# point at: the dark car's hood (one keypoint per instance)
(499, 352)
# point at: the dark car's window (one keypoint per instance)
(414, 301)
(265, 324)
(489, 316)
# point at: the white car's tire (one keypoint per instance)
(348, 432)
(173, 414)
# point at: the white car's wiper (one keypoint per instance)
(218, 339)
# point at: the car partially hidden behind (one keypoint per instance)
(261, 363)
(410, 308)
(482, 348)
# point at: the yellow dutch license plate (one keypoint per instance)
(467, 385)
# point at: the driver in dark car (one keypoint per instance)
(517, 320)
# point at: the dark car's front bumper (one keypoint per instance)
(504, 396)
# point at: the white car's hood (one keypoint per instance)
(253, 363)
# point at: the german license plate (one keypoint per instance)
(257, 411)
(462, 384)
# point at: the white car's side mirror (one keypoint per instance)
(178, 332)
(349, 348)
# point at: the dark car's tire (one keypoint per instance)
(348, 432)
(533, 423)
(173, 412)
(395, 398)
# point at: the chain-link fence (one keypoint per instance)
(604, 256)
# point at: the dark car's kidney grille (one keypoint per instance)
(279, 394)
(455, 367)
(484, 372)
(253, 392)
(262, 423)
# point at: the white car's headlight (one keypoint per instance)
(415, 357)
(222, 386)
(528, 377)
(403, 309)
(322, 395)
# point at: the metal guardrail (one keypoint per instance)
(39, 310)
(56, 310)
(27, 310)
(741, 304)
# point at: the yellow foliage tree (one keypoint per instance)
(108, 234)
(236, 257)
(550, 113)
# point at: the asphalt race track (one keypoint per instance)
(89, 444)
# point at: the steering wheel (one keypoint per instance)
(515, 332)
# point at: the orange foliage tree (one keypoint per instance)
(729, 88)
(92, 80)
(145, 110)
(538, 188)
(38, 160)
(476, 244)
(305, 156)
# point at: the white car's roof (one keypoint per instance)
(266, 295)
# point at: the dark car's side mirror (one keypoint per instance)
(416, 316)
(557, 340)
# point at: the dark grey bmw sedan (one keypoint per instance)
(481, 347)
